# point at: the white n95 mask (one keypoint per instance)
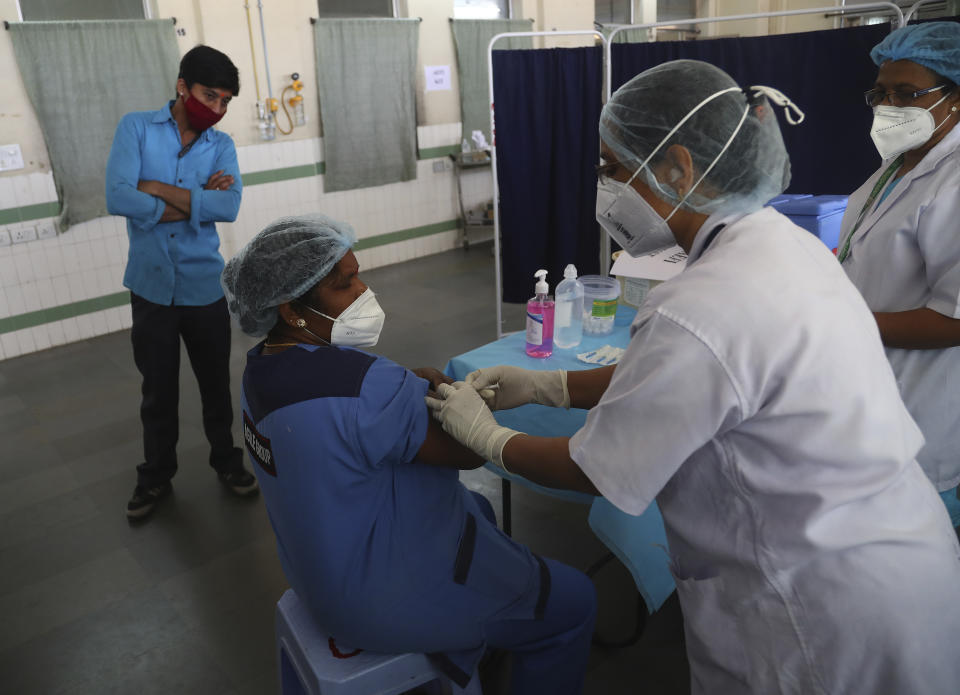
(631, 220)
(359, 325)
(898, 129)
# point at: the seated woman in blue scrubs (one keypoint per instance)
(375, 533)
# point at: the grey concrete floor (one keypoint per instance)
(184, 602)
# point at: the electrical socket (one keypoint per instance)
(442, 165)
(46, 230)
(4, 237)
(10, 157)
(18, 236)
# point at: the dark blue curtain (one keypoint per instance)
(824, 72)
(547, 106)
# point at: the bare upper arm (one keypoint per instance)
(440, 449)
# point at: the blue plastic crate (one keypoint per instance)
(820, 215)
(786, 198)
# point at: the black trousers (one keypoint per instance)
(156, 334)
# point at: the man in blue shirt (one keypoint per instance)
(173, 176)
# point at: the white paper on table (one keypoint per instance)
(661, 265)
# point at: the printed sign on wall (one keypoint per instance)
(438, 77)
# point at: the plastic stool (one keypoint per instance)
(308, 666)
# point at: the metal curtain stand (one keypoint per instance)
(604, 243)
(915, 10)
(505, 486)
(891, 7)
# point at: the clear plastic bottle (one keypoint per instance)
(540, 310)
(568, 317)
(299, 115)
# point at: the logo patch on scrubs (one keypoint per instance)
(258, 446)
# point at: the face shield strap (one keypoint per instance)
(754, 96)
(792, 112)
(678, 126)
(716, 159)
(675, 128)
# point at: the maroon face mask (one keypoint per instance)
(199, 115)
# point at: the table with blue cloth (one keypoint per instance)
(640, 541)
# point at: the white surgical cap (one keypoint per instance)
(935, 45)
(281, 263)
(754, 168)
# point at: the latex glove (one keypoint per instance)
(505, 387)
(466, 418)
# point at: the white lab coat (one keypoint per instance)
(811, 553)
(906, 255)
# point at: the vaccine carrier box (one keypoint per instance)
(820, 215)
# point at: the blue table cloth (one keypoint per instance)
(638, 541)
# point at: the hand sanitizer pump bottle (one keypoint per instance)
(540, 319)
(569, 311)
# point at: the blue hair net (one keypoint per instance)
(934, 45)
(281, 263)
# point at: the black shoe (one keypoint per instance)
(240, 482)
(145, 498)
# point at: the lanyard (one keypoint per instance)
(711, 236)
(881, 182)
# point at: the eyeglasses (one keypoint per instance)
(874, 97)
(605, 172)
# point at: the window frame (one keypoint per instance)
(507, 3)
(147, 5)
(394, 12)
(629, 19)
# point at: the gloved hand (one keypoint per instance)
(466, 418)
(505, 387)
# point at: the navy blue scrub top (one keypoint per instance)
(368, 537)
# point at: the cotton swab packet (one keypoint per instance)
(604, 356)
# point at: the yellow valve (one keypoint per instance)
(273, 104)
(295, 102)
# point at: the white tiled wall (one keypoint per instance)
(87, 261)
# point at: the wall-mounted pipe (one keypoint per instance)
(253, 53)
(266, 57)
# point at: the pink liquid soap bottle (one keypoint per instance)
(540, 319)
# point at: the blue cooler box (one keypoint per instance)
(786, 198)
(820, 215)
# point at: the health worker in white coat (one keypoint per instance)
(811, 553)
(900, 236)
